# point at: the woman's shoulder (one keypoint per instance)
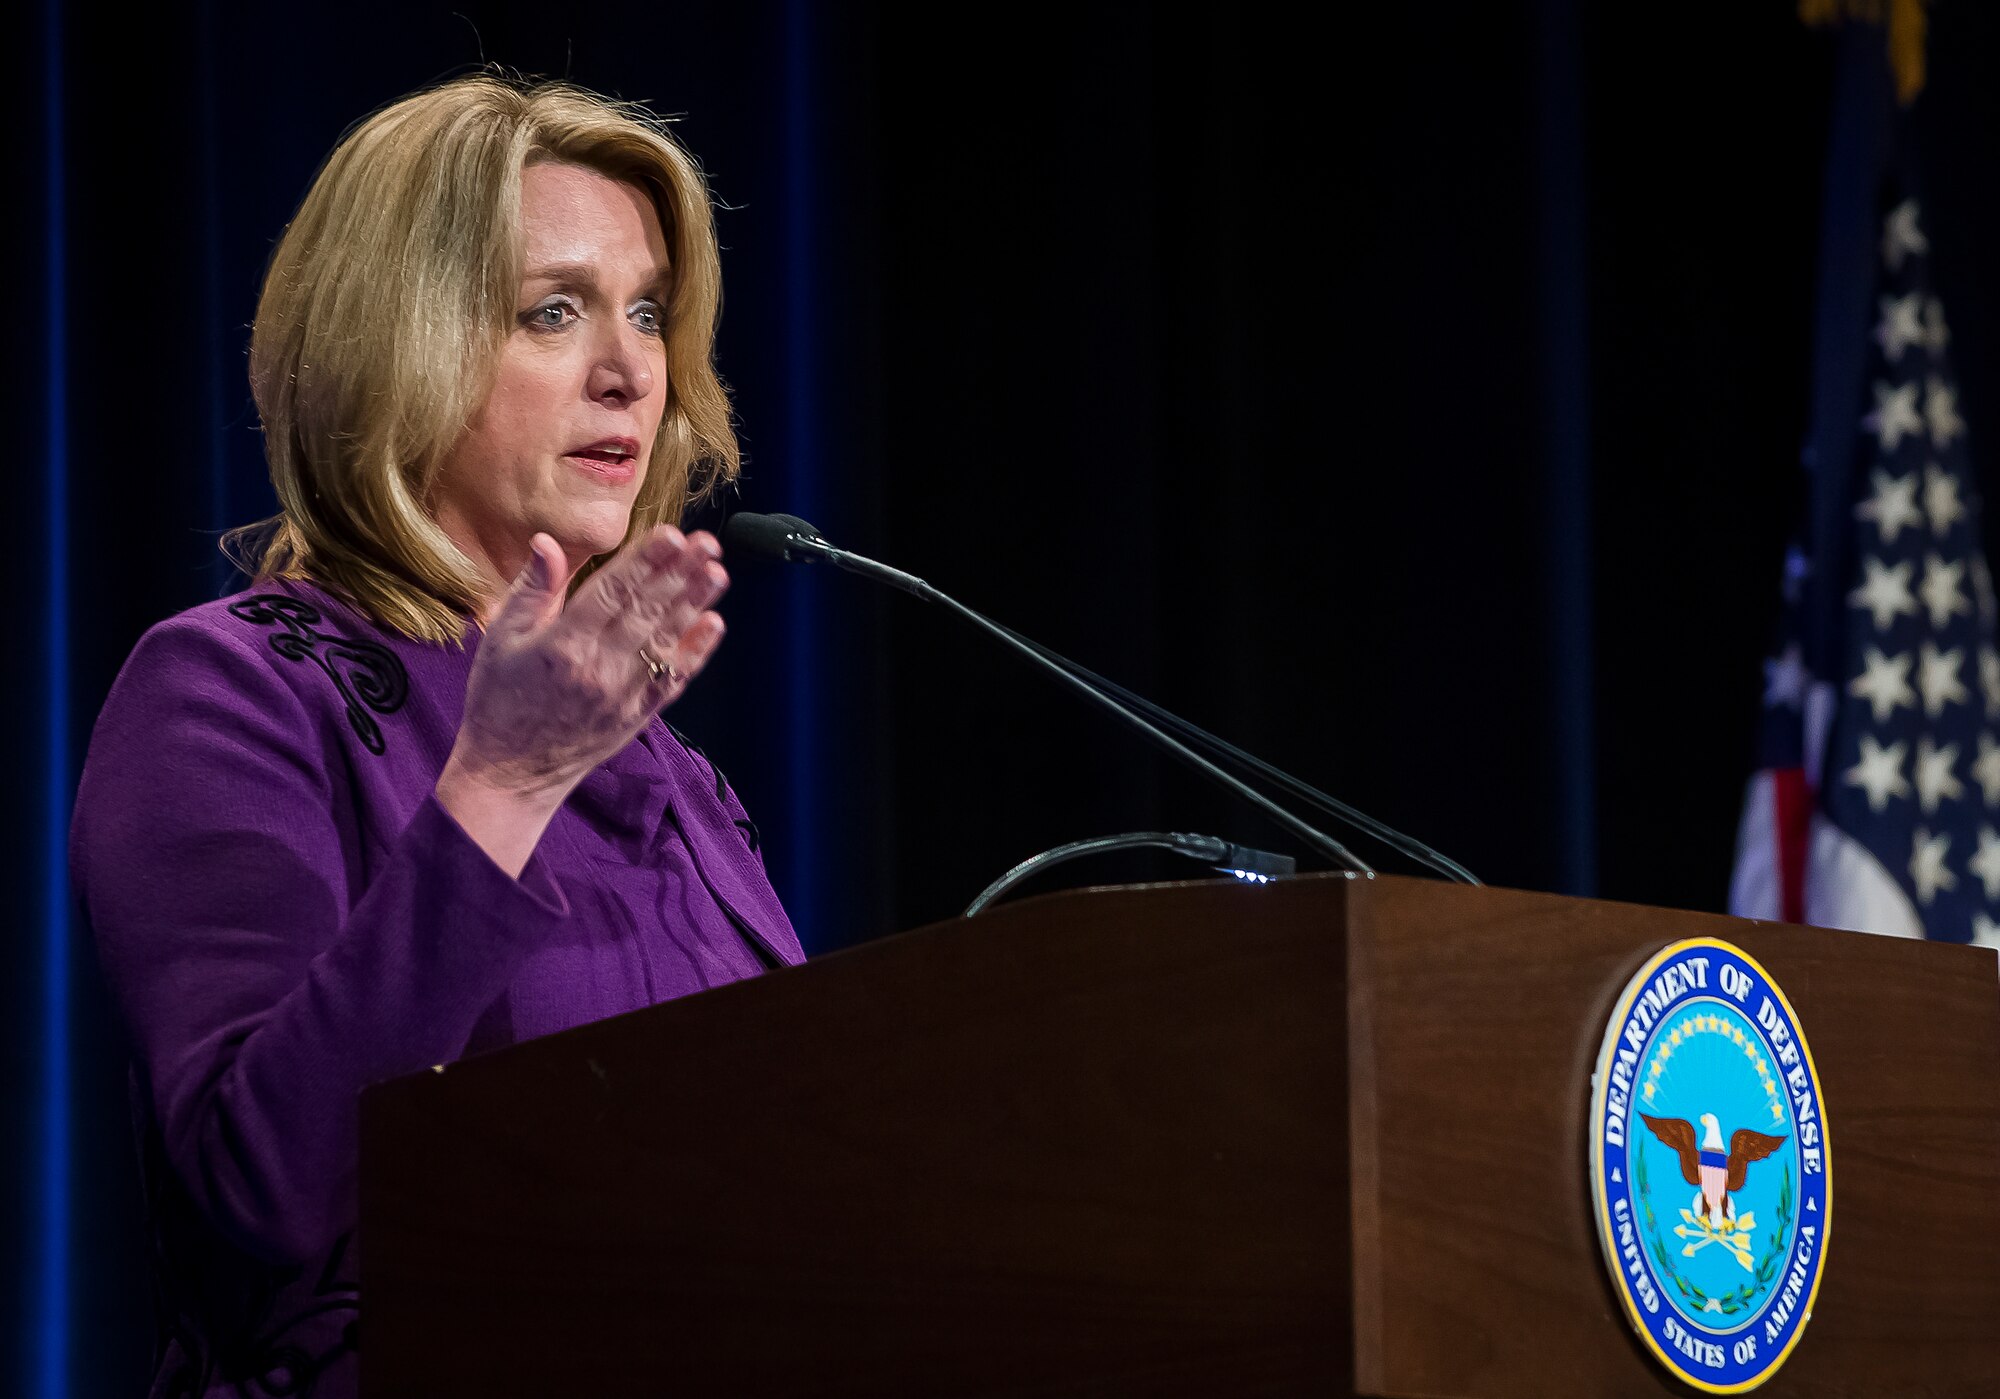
(229, 641)
(246, 620)
(282, 647)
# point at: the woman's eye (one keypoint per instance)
(550, 315)
(648, 318)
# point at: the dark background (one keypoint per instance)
(1414, 398)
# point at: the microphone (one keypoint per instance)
(778, 537)
(789, 539)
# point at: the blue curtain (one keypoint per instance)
(1421, 411)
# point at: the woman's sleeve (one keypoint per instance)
(214, 848)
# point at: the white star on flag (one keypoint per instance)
(1937, 335)
(1885, 683)
(1885, 592)
(1985, 932)
(1989, 679)
(1895, 416)
(1937, 677)
(1880, 772)
(1941, 500)
(1940, 593)
(1986, 862)
(1901, 235)
(1935, 782)
(1785, 679)
(1941, 408)
(1927, 867)
(1893, 505)
(1902, 324)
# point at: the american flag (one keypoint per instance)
(1877, 806)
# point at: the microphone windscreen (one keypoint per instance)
(800, 527)
(764, 536)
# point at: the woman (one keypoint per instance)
(409, 797)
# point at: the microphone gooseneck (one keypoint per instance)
(1406, 845)
(789, 539)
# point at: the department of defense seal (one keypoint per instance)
(1710, 1171)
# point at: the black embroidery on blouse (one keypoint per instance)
(742, 823)
(368, 676)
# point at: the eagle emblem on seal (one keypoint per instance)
(1716, 1173)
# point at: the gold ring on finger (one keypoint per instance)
(655, 667)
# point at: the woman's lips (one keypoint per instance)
(613, 470)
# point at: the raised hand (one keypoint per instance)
(555, 689)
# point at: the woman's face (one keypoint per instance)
(561, 443)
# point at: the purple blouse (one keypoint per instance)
(284, 914)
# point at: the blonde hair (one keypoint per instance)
(382, 318)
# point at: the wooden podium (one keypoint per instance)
(1320, 1137)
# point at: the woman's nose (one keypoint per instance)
(624, 366)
